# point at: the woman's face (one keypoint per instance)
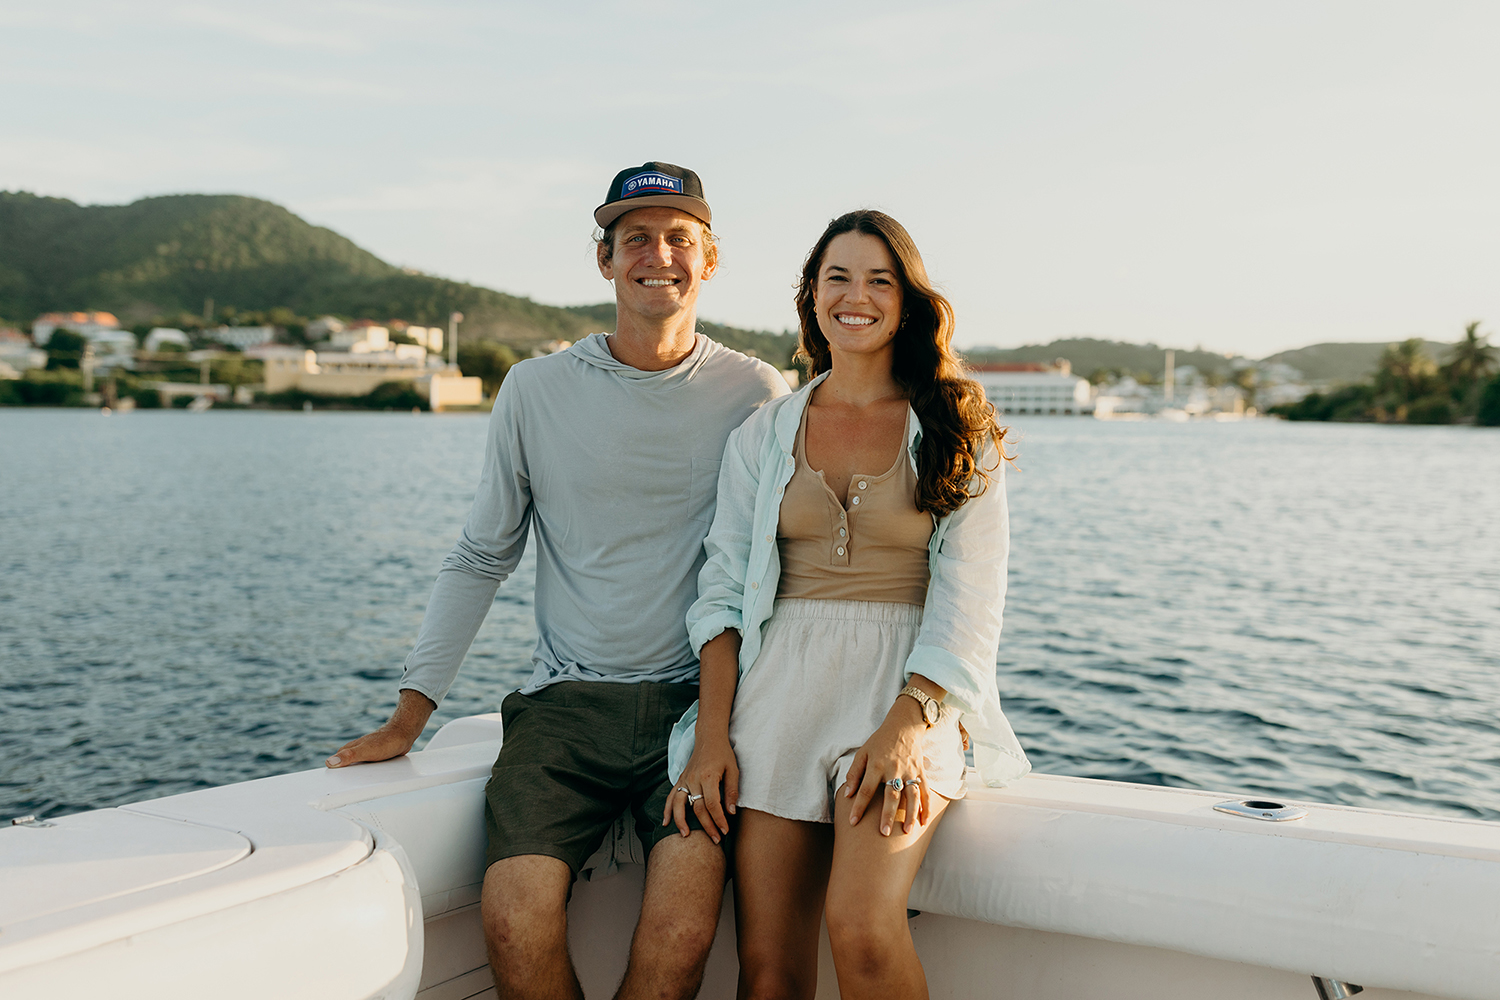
(858, 296)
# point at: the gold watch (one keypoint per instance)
(930, 707)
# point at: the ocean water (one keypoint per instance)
(1309, 611)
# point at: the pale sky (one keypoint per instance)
(1245, 176)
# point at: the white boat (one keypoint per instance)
(364, 883)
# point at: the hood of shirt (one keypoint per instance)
(594, 349)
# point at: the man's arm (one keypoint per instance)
(394, 738)
(485, 555)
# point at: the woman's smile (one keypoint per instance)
(858, 297)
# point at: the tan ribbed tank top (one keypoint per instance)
(873, 550)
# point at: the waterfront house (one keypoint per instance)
(18, 354)
(160, 335)
(360, 337)
(357, 373)
(322, 327)
(111, 349)
(1031, 387)
(430, 337)
(241, 336)
(86, 324)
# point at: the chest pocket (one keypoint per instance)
(704, 489)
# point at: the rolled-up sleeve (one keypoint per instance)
(492, 543)
(961, 622)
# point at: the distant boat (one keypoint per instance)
(364, 883)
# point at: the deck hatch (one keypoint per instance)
(1266, 810)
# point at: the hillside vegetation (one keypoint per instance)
(1088, 355)
(1333, 363)
(161, 258)
(1345, 362)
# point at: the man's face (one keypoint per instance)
(661, 259)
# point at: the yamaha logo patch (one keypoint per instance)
(651, 182)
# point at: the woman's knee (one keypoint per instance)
(776, 980)
(863, 937)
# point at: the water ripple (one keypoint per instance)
(1272, 609)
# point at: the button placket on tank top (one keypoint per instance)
(816, 535)
(839, 540)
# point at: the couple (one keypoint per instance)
(836, 557)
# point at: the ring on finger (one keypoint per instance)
(683, 789)
(694, 798)
(896, 784)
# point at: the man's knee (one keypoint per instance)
(524, 903)
(684, 893)
(687, 935)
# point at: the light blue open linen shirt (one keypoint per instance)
(613, 470)
(961, 619)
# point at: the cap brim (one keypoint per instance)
(696, 207)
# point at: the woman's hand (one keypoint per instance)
(894, 751)
(712, 765)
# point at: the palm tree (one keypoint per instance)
(1470, 363)
(1405, 375)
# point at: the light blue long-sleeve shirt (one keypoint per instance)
(613, 471)
(961, 620)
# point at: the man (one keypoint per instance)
(609, 452)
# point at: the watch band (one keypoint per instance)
(929, 705)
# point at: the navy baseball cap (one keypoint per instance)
(654, 183)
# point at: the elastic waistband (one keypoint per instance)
(884, 612)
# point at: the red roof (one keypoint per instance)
(100, 318)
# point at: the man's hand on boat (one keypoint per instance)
(394, 738)
(712, 765)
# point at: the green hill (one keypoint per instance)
(1342, 363)
(163, 257)
(1088, 355)
(1346, 362)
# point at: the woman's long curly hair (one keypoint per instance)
(957, 419)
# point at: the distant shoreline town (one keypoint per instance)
(89, 359)
(313, 325)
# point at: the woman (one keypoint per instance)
(853, 589)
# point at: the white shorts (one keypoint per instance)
(827, 675)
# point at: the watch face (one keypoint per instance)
(930, 712)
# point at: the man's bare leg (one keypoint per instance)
(679, 916)
(524, 906)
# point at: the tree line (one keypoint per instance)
(1410, 387)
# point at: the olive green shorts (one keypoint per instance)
(576, 755)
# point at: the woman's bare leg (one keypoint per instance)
(780, 877)
(867, 892)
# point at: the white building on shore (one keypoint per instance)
(351, 373)
(89, 325)
(111, 349)
(360, 337)
(1032, 387)
(160, 335)
(430, 337)
(18, 354)
(241, 336)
